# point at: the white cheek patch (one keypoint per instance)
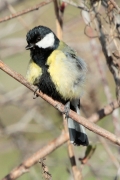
(47, 41)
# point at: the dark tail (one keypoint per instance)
(77, 132)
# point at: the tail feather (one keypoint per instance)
(77, 132)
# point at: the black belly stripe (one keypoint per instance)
(47, 86)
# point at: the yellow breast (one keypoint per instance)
(33, 73)
(64, 75)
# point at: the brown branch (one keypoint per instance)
(112, 57)
(24, 167)
(45, 173)
(104, 111)
(56, 8)
(89, 125)
(59, 19)
(115, 5)
(34, 159)
(76, 172)
(72, 3)
(109, 152)
(36, 7)
(96, 55)
(21, 20)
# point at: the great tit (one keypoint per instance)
(58, 72)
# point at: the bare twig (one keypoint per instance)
(89, 125)
(76, 173)
(21, 20)
(106, 87)
(24, 167)
(112, 58)
(109, 152)
(59, 20)
(72, 3)
(115, 5)
(45, 172)
(25, 11)
(104, 111)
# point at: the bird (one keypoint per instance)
(57, 71)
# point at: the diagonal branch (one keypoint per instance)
(104, 111)
(36, 7)
(115, 5)
(89, 125)
(20, 19)
(24, 167)
(72, 3)
(63, 138)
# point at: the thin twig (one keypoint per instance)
(109, 152)
(76, 173)
(45, 172)
(107, 91)
(24, 167)
(59, 21)
(13, 11)
(36, 7)
(115, 5)
(104, 111)
(72, 3)
(89, 125)
(110, 59)
(108, 96)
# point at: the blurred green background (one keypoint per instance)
(27, 124)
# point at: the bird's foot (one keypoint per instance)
(67, 109)
(35, 93)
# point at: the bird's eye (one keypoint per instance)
(38, 39)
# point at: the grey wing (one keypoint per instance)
(72, 55)
(77, 62)
(77, 132)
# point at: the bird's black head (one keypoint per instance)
(41, 37)
(41, 42)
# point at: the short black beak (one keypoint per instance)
(29, 46)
